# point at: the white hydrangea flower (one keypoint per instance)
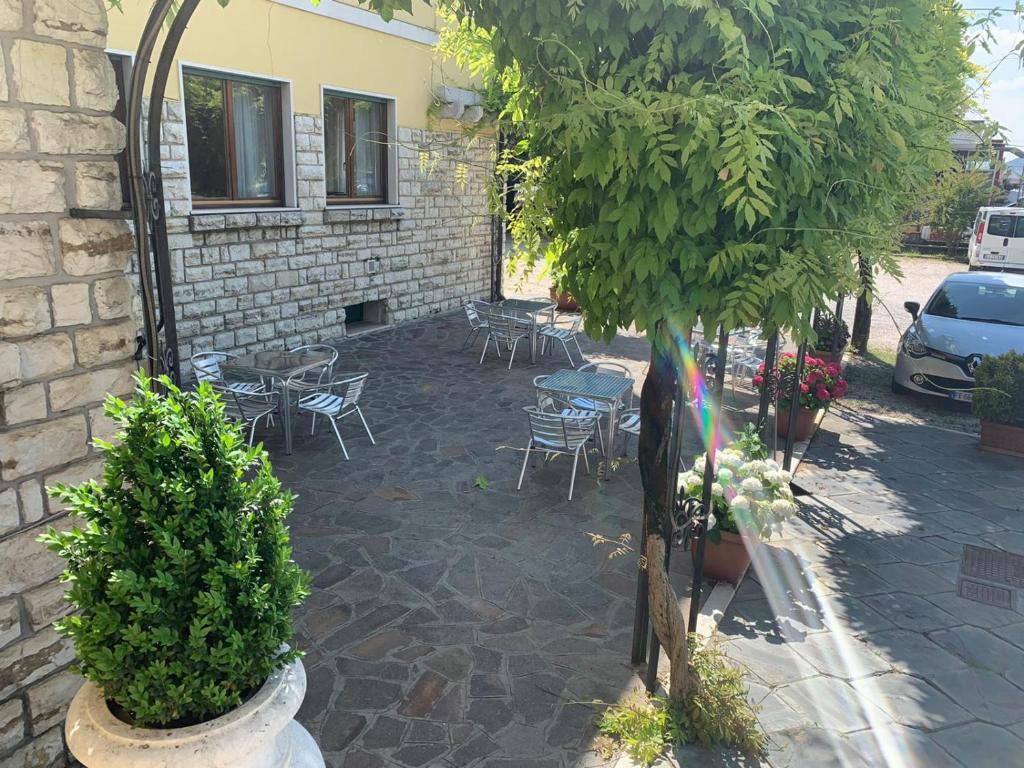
(756, 467)
(730, 458)
(698, 465)
(725, 475)
(786, 477)
(689, 479)
(783, 508)
(717, 489)
(752, 486)
(739, 503)
(772, 465)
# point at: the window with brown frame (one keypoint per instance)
(355, 149)
(235, 141)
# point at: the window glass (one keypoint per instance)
(335, 146)
(355, 148)
(999, 304)
(1000, 226)
(370, 138)
(234, 140)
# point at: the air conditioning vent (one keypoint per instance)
(372, 266)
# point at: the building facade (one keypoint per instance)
(335, 202)
(310, 194)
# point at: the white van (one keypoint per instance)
(998, 240)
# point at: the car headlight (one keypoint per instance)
(913, 345)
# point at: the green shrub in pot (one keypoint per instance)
(999, 393)
(181, 570)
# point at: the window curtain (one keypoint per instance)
(336, 146)
(370, 138)
(255, 156)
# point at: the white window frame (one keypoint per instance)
(289, 197)
(391, 110)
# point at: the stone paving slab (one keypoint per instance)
(934, 679)
(449, 624)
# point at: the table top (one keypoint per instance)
(278, 362)
(601, 386)
(530, 305)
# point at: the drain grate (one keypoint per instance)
(989, 594)
(993, 565)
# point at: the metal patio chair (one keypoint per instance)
(335, 400)
(554, 433)
(208, 367)
(563, 334)
(550, 402)
(629, 424)
(312, 376)
(504, 329)
(477, 323)
(247, 407)
(611, 369)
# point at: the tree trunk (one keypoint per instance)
(862, 316)
(668, 620)
(653, 456)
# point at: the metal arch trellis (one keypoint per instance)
(146, 187)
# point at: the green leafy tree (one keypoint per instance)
(181, 573)
(952, 203)
(694, 159)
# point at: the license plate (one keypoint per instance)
(963, 397)
(994, 256)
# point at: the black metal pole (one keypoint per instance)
(137, 172)
(641, 614)
(794, 406)
(157, 213)
(839, 324)
(709, 476)
(766, 389)
(675, 449)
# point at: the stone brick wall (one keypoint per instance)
(249, 281)
(66, 333)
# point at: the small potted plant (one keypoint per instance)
(750, 499)
(564, 301)
(820, 385)
(999, 403)
(833, 334)
(183, 583)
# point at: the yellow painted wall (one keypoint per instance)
(272, 40)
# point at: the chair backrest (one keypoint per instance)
(207, 365)
(544, 399)
(325, 348)
(350, 388)
(472, 315)
(613, 369)
(244, 405)
(558, 432)
(502, 326)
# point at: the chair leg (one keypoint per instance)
(312, 430)
(252, 432)
(512, 356)
(522, 472)
(484, 350)
(338, 435)
(572, 478)
(365, 425)
(473, 332)
(578, 349)
(586, 461)
(600, 436)
(566, 348)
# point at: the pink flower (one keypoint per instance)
(813, 377)
(805, 388)
(823, 394)
(758, 381)
(840, 388)
(832, 370)
(788, 356)
(760, 368)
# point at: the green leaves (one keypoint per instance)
(181, 572)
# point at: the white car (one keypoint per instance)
(997, 242)
(970, 315)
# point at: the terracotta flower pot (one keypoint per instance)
(728, 559)
(261, 733)
(1002, 438)
(804, 423)
(566, 303)
(825, 355)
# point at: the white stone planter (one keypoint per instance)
(259, 734)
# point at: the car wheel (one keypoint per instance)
(899, 389)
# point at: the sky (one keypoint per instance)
(1003, 98)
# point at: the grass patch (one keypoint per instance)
(718, 713)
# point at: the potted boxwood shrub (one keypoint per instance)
(183, 583)
(750, 498)
(999, 403)
(832, 334)
(821, 384)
